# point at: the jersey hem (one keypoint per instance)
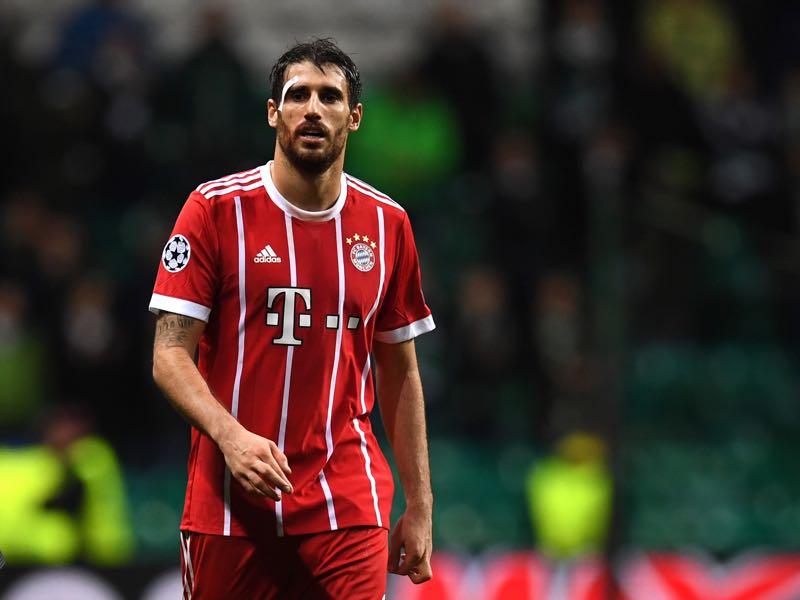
(235, 532)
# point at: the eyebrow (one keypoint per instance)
(325, 89)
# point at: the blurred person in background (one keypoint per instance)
(89, 355)
(202, 107)
(63, 499)
(558, 340)
(696, 39)
(22, 362)
(96, 95)
(487, 347)
(569, 497)
(97, 35)
(455, 57)
(285, 277)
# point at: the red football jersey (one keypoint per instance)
(292, 300)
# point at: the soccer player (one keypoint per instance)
(284, 280)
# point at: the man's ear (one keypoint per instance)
(272, 113)
(355, 117)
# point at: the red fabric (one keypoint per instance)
(210, 280)
(349, 563)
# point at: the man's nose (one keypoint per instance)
(313, 107)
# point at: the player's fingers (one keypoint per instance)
(268, 468)
(248, 486)
(409, 561)
(272, 475)
(258, 486)
(422, 572)
(280, 458)
(280, 477)
(395, 546)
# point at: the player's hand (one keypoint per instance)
(411, 546)
(257, 464)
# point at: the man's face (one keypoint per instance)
(315, 119)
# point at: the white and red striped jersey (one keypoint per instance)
(292, 300)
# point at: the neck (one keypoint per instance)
(309, 192)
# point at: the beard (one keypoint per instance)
(311, 161)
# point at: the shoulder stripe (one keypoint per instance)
(234, 175)
(367, 186)
(379, 197)
(207, 187)
(241, 180)
(240, 175)
(234, 188)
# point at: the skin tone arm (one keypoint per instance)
(403, 412)
(256, 462)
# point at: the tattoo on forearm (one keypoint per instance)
(173, 330)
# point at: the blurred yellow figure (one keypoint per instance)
(695, 39)
(569, 497)
(63, 500)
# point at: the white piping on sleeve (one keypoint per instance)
(410, 331)
(179, 306)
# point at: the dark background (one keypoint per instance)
(605, 199)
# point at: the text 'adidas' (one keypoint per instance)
(267, 255)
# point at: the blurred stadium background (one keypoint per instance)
(606, 197)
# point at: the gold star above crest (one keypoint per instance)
(349, 241)
(365, 238)
(357, 237)
(374, 245)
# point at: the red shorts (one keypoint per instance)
(348, 563)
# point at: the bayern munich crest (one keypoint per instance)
(362, 252)
(176, 253)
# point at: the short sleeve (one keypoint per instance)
(404, 315)
(186, 281)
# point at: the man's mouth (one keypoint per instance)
(311, 134)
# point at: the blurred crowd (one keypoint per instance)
(628, 202)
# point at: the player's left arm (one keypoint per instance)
(403, 411)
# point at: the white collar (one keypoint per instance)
(299, 213)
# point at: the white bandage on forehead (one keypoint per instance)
(286, 87)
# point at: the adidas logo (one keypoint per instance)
(267, 255)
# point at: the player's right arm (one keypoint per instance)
(256, 462)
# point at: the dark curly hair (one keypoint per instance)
(320, 52)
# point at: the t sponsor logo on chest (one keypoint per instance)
(362, 252)
(267, 255)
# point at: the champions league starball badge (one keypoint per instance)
(176, 253)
